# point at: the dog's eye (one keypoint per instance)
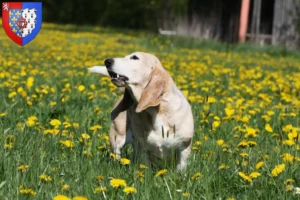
(134, 57)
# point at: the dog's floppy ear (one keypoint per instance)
(153, 93)
(124, 104)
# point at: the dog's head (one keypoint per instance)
(133, 69)
(141, 70)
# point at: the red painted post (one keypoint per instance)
(244, 20)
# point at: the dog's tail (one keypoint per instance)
(99, 70)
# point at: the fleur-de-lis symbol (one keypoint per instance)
(14, 19)
(18, 13)
(5, 6)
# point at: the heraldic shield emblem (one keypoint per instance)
(22, 21)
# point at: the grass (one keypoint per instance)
(54, 118)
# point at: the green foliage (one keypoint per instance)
(137, 14)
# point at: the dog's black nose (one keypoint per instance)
(109, 62)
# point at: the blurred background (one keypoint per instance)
(262, 22)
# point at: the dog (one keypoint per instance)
(153, 112)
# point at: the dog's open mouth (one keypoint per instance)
(115, 76)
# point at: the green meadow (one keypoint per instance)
(55, 116)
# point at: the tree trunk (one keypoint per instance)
(286, 20)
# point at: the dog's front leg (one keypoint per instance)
(140, 155)
(183, 156)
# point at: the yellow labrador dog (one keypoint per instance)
(153, 112)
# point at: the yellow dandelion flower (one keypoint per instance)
(124, 161)
(289, 188)
(252, 143)
(293, 135)
(278, 169)
(254, 175)
(288, 142)
(3, 114)
(116, 183)
(23, 168)
(52, 103)
(140, 175)
(30, 82)
(100, 178)
(269, 128)
(286, 157)
(106, 138)
(67, 125)
(195, 148)
(211, 100)
(75, 125)
(9, 145)
(55, 122)
(113, 156)
(98, 190)
(102, 148)
(287, 128)
(266, 118)
(216, 124)
(185, 93)
(259, 165)
(289, 181)
(33, 118)
(198, 143)
(161, 172)
(229, 111)
(98, 110)
(142, 166)
(67, 143)
(196, 176)
(81, 88)
(252, 112)
(45, 178)
(30, 123)
(65, 187)
(185, 194)
(96, 127)
(12, 94)
(129, 190)
(85, 136)
(61, 197)
(245, 177)
(216, 118)
(243, 144)
(27, 191)
(251, 132)
(223, 166)
(244, 154)
(220, 142)
(245, 119)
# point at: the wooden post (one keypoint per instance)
(244, 20)
(255, 25)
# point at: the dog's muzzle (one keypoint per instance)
(117, 79)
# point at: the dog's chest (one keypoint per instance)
(155, 134)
